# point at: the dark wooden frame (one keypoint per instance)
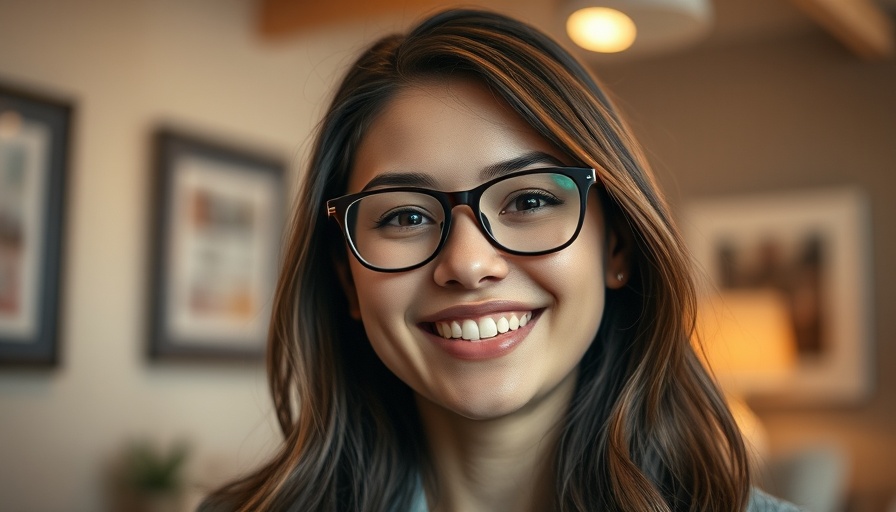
(170, 147)
(41, 346)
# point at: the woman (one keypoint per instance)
(522, 345)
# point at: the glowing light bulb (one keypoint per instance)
(601, 29)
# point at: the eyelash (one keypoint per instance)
(551, 199)
(392, 214)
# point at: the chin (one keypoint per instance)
(489, 405)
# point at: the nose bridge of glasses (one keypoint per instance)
(470, 199)
(460, 198)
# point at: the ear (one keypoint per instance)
(618, 262)
(348, 287)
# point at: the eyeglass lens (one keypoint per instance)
(529, 213)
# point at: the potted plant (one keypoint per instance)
(155, 476)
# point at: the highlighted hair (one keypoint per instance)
(648, 430)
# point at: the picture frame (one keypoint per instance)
(810, 250)
(35, 140)
(216, 237)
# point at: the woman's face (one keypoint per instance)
(448, 133)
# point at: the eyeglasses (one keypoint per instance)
(531, 212)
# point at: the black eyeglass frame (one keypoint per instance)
(583, 177)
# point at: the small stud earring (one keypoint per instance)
(620, 276)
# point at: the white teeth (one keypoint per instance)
(503, 325)
(470, 330)
(487, 328)
(484, 328)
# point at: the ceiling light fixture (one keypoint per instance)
(638, 26)
(601, 29)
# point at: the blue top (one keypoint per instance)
(759, 502)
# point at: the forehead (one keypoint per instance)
(448, 129)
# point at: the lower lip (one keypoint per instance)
(489, 348)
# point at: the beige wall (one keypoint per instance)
(789, 114)
(129, 66)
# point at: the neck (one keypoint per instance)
(497, 464)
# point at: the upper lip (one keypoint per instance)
(477, 310)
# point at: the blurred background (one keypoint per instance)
(774, 119)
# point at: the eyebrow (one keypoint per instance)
(416, 179)
(520, 162)
(400, 179)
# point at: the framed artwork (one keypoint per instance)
(34, 152)
(216, 241)
(793, 269)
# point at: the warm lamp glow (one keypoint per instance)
(601, 29)
(747, 337)
(753, 431)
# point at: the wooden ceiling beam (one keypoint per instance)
(280, 18)
(862, 26)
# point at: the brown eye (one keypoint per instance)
(527, 203)
(404, 218)
(410, 219)
(531, 200)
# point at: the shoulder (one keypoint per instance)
(762, 502)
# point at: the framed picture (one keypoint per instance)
(34, 152)
(792, 271)
(217, 233)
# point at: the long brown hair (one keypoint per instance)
(647, 429)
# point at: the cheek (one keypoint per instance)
(590, 256)
(576, 281)
(581, 265)
(384, 301)
(575, 277)
(373, 288)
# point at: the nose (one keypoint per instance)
(468, 259)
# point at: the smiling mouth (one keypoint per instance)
(481, 328)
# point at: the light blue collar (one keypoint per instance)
(419, 503)
(759, 502)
